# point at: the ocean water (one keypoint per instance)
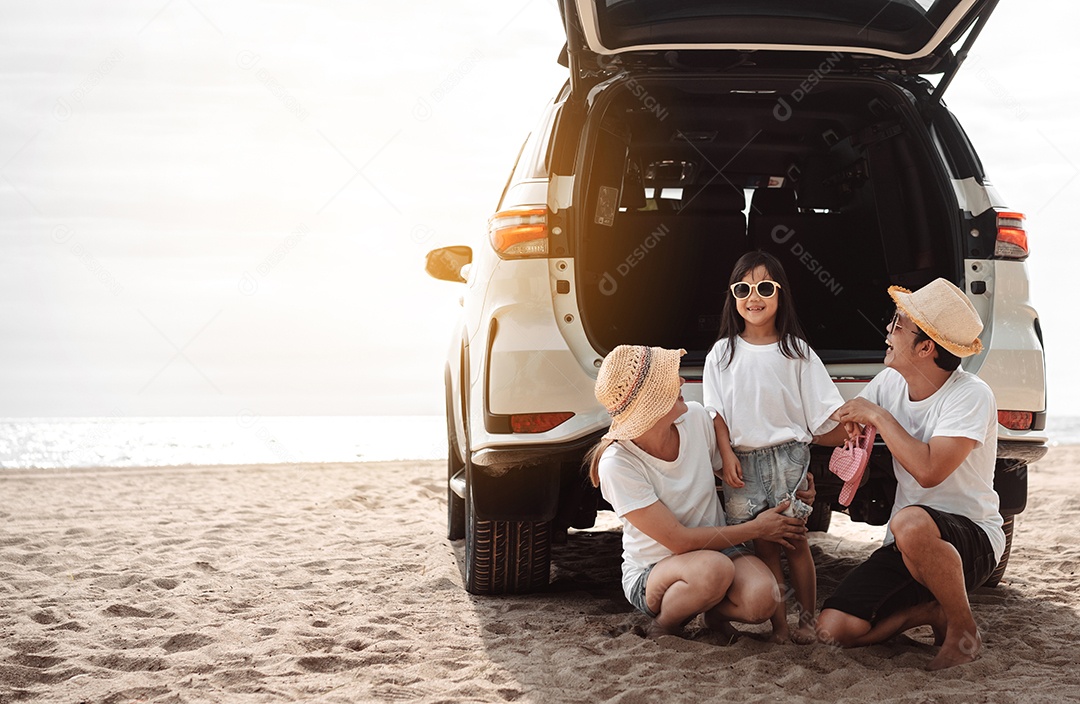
(1063, 430)
(64, 443)
(59, 443)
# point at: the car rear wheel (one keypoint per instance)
(999, 571)
(505, 557)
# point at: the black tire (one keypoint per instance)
(455, 505)
(821, 518)
(505, 557)
(995, 577)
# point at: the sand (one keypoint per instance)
(335, 583)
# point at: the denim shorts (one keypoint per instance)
(637, 593)
(770, 476)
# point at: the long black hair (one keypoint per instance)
(787, 322)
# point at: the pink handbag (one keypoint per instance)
(849, 462)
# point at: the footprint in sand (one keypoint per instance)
(186, 641)
(127, 611)
(130, 664)
(45, 618)
(328, 663)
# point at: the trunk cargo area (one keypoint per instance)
(682, 176)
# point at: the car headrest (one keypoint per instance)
(773, 201)
(714, 198)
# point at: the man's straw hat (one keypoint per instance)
(944, 313)
(637, 385)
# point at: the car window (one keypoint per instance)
(959, 152)
(893, 26)
(513, 171)
(531, 160)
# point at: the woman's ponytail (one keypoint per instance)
(592, 458)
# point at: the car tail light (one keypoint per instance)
(1012, 241)
(519, 233)
(1016, 420)
(537, 422)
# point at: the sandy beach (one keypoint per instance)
(334, 583)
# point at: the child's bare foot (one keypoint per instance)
(780, 635)
(804, 635)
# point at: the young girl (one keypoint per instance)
(770, 395)
(655, 466)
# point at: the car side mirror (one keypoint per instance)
(446, 263)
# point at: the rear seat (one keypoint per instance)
(669, 269)
(827, 257)
(715, 221)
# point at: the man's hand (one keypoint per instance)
(835, 437)
(857, 410)
(775, 527)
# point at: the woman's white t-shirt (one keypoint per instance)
(631, 479)
(766, 398)
(963, 407)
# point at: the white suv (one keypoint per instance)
(686, 136)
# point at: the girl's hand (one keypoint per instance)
(733, 472)
(774, 526)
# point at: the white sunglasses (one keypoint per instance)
(765, 289)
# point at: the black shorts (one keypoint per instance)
(883, 585)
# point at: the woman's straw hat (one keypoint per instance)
(637, 385)
(944, 313)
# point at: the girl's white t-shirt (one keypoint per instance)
(963, 407)
(766, 398)
(631, 478)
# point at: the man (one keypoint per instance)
(945, 536)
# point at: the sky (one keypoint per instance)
(216, 208)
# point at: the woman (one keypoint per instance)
(655, 467)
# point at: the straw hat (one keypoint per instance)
(944, 313)
(637, 385)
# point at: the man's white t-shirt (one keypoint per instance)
(630, 479)
(766, 398)
(963, 407)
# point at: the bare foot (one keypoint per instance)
(780, 635)
(804, 635)
(958, 651)
(723, 627)
(654, 630)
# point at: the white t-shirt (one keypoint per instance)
(766, 398)
(963, 407)
(631, 478)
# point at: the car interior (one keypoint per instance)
(833, 181)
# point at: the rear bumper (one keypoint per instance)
(1027, 452)
(500, 458)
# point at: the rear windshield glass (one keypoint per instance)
(902, 26)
